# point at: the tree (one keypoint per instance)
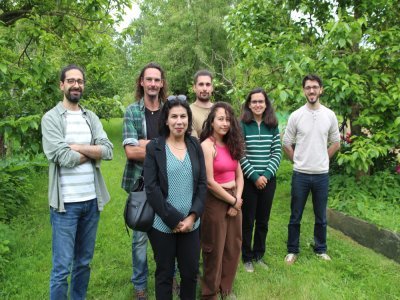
(37, 38)
(183, 36)
(352, 44)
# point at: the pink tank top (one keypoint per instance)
(224, 166)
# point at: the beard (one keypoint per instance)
(204, 97)
(312, 99)
(74, 98)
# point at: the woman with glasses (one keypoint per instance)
(263, 155)
(175, 182)
(221, 227)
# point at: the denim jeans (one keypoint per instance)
(139, 260)
(302, 185)
(73, 241)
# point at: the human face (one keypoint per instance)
(203, 88)
(73, 91)
(151, 83)
(312, 91)
(177, 121)
(257, 105)
(221, 123)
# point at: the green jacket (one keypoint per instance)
(60, 154)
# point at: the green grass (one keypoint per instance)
(354, 273)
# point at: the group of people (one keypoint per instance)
(210, 177)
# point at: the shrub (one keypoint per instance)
(105, 108)
(374, 198)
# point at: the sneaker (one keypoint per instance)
(228, 296)
(324, 256)
(140, 295)
(290, 259)
(248, 266)
(261, 263)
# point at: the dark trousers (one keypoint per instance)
(302, 185)
(256, 207)
(221, 238)
(185, 248)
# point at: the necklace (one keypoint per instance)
(177, 148)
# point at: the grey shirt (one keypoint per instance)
(59, 153)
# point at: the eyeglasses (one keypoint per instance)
(73, 80)
(255, 102)
(177, 98)
(314, 87)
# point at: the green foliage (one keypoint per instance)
(21, 136)
(6, 236)
(182, 36)
(106, 108)
(15, 186)
(354, 47)
(373, 198)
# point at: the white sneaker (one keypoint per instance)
(324, 256)
(290, 259)
(248, 266)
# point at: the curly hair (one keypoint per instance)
(233, 138)
(269, 117)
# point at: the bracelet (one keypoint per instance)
(233, 205)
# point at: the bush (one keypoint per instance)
(374, 198)
(105, 108)
(6, 235)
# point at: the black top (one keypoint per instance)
(156, 181)
(152, 123)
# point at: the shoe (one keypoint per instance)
(290, 259)
(140, 295)
(324, 256)
(248, 266)
(261, 263)
(176, 288)
(228, 296)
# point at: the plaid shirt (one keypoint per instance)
(134, 129)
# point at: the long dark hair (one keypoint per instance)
(269, 117)
(233, 139)
(163, 128)
(162, 95)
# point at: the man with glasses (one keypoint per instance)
(74, 142)
(201, 107)
(140, 126)
(311, 138)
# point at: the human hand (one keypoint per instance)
(232, 212)
(261, 182)
(238, 204)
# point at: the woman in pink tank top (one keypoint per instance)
(221, 224)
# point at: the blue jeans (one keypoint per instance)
(73, 241)
(139, 260)
(302, 185)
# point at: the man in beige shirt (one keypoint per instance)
(203, 89)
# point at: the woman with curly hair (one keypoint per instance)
(221, 227)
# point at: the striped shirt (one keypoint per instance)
(77, 183)
(180, 188)
(263, 151)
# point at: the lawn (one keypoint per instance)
(354, 273)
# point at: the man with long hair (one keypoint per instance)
(140, 126)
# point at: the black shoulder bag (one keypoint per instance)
(138, 213)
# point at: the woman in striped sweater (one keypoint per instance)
(260, 163)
